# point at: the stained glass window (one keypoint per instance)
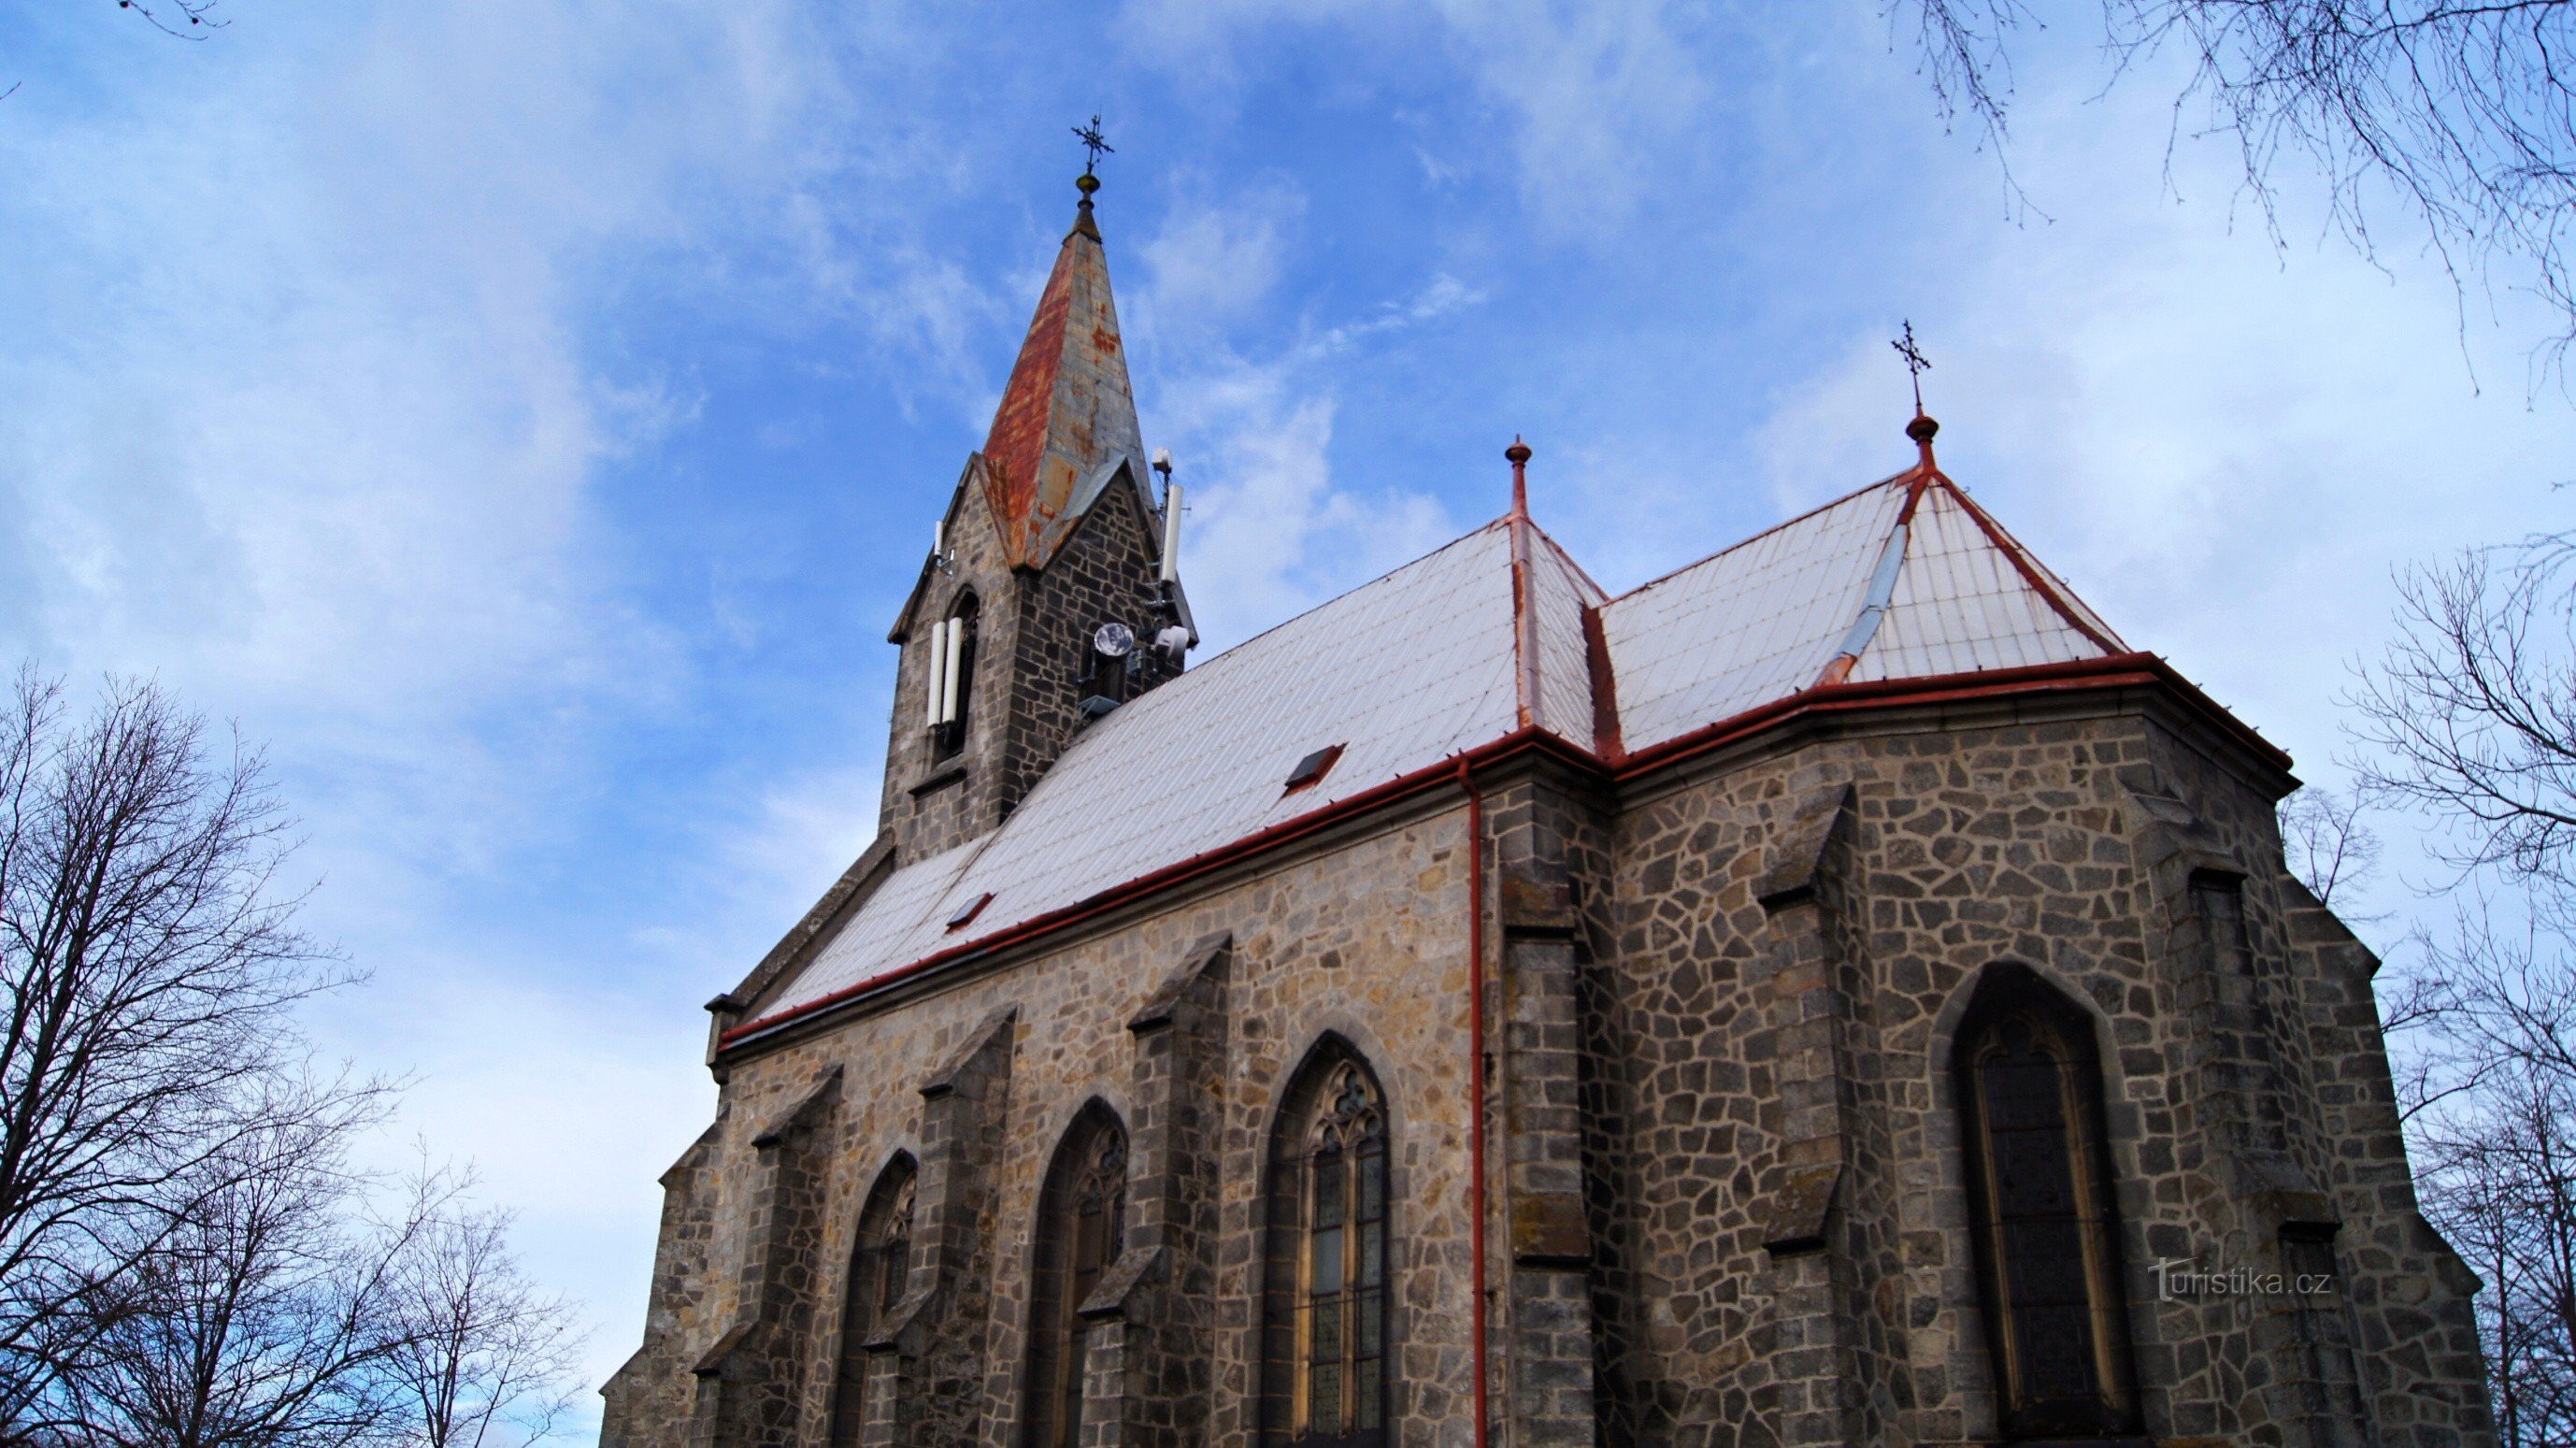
(2047, 1229)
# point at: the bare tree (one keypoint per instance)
(2502, 1182)
(2469, 716)
(2329, 846)
(261, 1318)
(148, 966)
(484, 1357)
(2461, 114)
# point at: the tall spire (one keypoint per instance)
(1067, 411)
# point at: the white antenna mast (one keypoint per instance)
(1171, 516)
(948, 677)
(938, 689)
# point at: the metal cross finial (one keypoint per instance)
(1915, 362)
(1094, 144)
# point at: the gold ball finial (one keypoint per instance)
(1086, 183)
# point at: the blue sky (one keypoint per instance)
(525, 415)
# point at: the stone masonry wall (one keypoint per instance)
(1033, 633)
(1366, 942)
(2067, 847)
(1725, 1164)
(1105, 572)
(932, 804)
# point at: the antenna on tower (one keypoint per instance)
(1171, 519)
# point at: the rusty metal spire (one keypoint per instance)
(1519, 454)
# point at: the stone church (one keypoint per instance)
(1840, 992)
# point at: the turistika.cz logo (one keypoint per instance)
(2180, 1279)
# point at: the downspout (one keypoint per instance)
(1476, 1084)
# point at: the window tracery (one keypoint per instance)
(880, 1263)
(1325, 1308)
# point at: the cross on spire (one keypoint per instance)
(1094, 144)
(1915, 362)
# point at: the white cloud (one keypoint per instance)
(2223, 447)
(1214, 262)
(1592, 93)
(310, 412)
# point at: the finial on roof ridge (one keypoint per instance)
(1922, 427)
(1519, 454)
(1094, 146)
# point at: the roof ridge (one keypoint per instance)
(1566, 557)
(1746, 542)
(2059, 596)
(1892, 557)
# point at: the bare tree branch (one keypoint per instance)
(2329, 847)
(2461, 116)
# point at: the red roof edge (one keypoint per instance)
(2111, 671)
(1286, 831)
(2031, 572)
(2115, 671)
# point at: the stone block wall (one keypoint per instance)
(1033, 634)
(1365, 942)
(1105, 572)
(1725, 1167)
(1767, 1051)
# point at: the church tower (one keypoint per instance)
(1046, 601)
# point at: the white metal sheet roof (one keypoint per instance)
(1402, 672)
(1755, 623)
(1420, 665)
(1962, 605)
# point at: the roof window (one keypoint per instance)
(967, 912)
(1312, 768)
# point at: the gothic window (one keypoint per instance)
(1324, 1298)
(879, 1261)
(2046, 1228)
(957, 671)
(1081, 1225)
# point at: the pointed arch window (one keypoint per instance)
(1324, 1298)
(880, 1260)
(2046, 1227)
(1081, 1226)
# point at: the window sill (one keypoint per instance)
(940, 778)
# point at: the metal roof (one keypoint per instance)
(1904, 579)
